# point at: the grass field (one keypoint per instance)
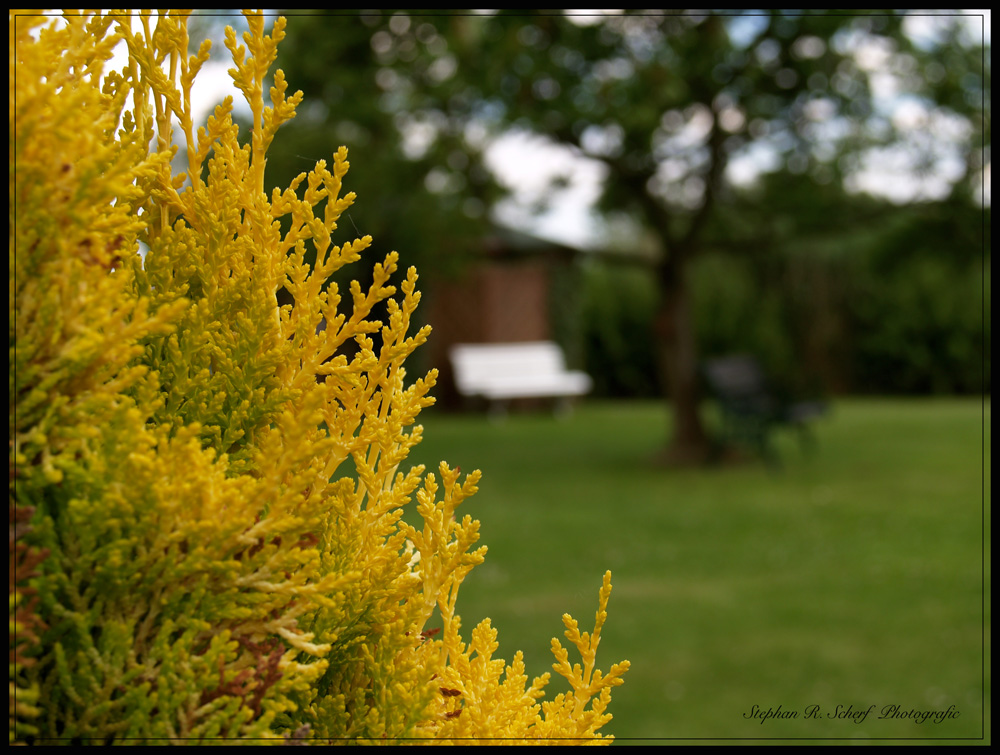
(852, 577)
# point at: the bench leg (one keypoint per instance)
(768, 452)
(807, 441)
(752, 433)
(760, 437)
(498, 410)
(563, 407)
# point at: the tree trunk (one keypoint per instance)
(689, 444)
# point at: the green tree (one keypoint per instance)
(671, 104)
(433, 191)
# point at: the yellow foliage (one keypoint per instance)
(196, 559)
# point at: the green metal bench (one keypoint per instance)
(752, 409)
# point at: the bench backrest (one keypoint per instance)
(477, 365)
(736, 377)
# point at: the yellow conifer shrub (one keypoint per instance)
(190, 558)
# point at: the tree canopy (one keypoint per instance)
(693, 115)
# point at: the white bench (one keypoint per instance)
(500, 372)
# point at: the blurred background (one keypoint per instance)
(652, 190)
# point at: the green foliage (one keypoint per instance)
(619, 307)
(887, 314)
(665, 101)
(206, 492)
(432, 187)
(923, 329)
(737, 312)
(889, 303)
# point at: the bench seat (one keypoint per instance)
(501, 372)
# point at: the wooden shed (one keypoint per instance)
(506, 295)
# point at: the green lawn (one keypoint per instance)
(852, 577)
